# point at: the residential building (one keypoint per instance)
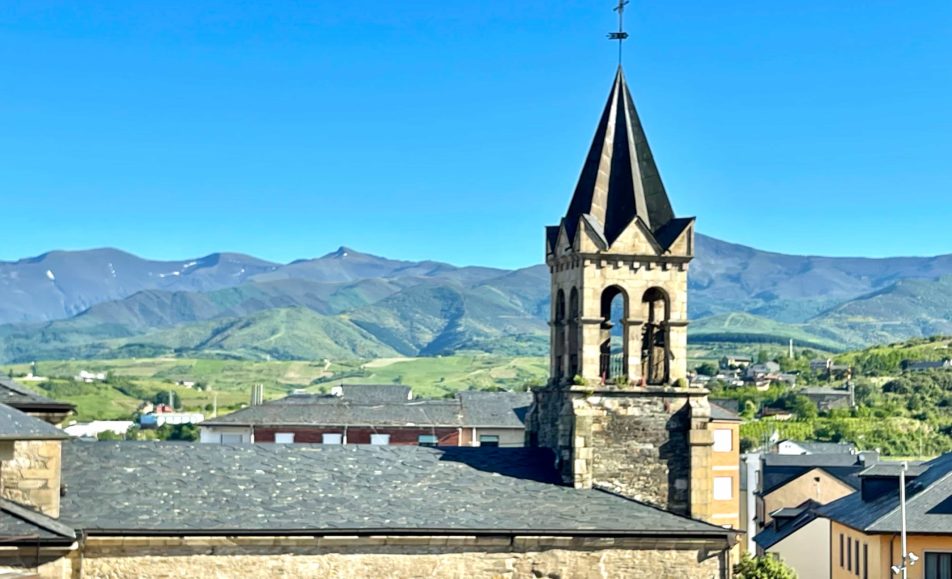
(918, 365)
(767, 370)
(157, 419)
(858, 534)
(90, 377)
(725, 467)
(97, 427)
(382, 414)
(827, 399)
(865, 526)
(799, 538)
(735, 361)
(787, 481)
(812, 447)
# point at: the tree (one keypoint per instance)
(763, 357)
(768, 567)
(707, 369)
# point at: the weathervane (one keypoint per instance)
(621, 35)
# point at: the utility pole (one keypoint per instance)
(908, 558)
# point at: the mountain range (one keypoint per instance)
(109, 303)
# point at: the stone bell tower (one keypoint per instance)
(617, 409)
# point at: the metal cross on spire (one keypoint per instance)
(621, 35)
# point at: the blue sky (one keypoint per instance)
(456, 130)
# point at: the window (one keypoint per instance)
(856, 552)
(427, 440)
(231, 439)
(723, 488)
(849, 553)
(723, 440)
(283, 437)
(488, 440)
(938, 566)
(332, 438)
(380, 439)
(865, 561)
(841, 550)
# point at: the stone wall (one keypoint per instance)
(650, 444)
(33, 476)
(383, 557)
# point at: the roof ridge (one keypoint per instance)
(37, 519)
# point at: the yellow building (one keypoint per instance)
(865, 526)
(858, 536)
(725, 467)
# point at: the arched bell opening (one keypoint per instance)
(655, 346)
(558, 347)
(613, 346)
(573, 314)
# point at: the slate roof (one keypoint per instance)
(163, 487)
(16, 425)
(376, 393)
(334, 411)
(816, 448)
(779, 469)
(718, 412)
(378, 407)
(928, 504)
(619, 180)
(19, 524)
(495, 409)
(22, 398)
(779, 530)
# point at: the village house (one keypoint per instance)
(919, 365)
(788, 480)
(383, 414)
(858, 534)
(735, 361)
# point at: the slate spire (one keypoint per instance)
(619, 180)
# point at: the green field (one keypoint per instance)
(228, 382)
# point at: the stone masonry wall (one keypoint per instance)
(638, 447)
(33, 476)
(391, 557)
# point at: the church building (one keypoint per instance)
(617, 410)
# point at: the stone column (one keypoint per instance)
(633, 349)
(701, 440)
(678, 346)
(591, 329)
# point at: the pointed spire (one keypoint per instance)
(619, 180)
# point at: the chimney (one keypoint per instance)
(257, 394)
(30, 458)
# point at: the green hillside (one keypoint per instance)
(229, 382)
(749, 329)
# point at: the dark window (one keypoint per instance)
(841, 549)
(849, 553)
(865, 561)
(856, 552)
(938, 566)
(488, 440)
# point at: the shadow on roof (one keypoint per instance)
(535, 464)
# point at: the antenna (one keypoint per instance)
(621, 35)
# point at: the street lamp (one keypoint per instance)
(908, 559)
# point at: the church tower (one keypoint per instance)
(617, 410)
